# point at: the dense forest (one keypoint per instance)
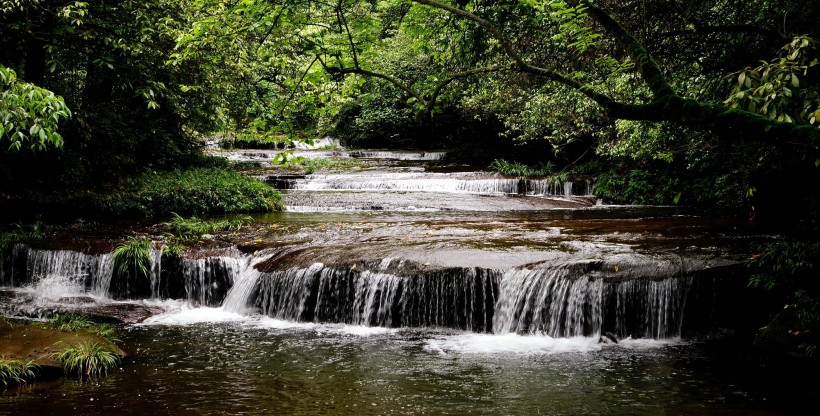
(690, 102)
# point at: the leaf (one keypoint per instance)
(795, 81)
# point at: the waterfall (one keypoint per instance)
(457, 298)
(562, 300)
(550, 302)
(429, 182)
(92, 272)
(558, 303)
(208, 279)
(239, 297)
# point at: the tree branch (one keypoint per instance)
(519, 60)
(648, 68)
(424, 112)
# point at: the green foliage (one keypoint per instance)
(785, 264)
(14, 372)
(790, 270)
(774, 89)
(29, 115)
(194, 191)
(69, 322)
(638, 186)
(36, 230)
(520, 170)
(87, 360)
(133, 256)
(193, 227)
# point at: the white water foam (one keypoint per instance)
(189, 316)
(183, 315)
(509, 344)
(464, 344)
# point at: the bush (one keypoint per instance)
(187, 192)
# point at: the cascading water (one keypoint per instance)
(563, 300)
(559, 301)
(207, 280)
(432, 182)
(459, 298)
(28, 266)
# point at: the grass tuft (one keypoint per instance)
(15, 372)
(68, 322)
(87, 360)
(134, 255)
(520, 170)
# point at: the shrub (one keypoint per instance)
(87, 359)
(14, 372)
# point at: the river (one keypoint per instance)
(395, 290)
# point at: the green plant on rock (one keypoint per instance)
(70, 322)
(193, 227)
(14, 372)
(133, 256)
(87, 360)
(520, 170)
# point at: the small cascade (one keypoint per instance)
(457, 298)
(208, 279)
(548, 302)
(28, 266)
(643, 300)
(397, 155)
(239, 297)
(559, 303)
(431, 182)
(563, 301)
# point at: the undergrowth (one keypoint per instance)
(309, 166)
(191, 192)
(69, 322)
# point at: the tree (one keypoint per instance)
(664, 104)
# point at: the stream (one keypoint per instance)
(402, 289)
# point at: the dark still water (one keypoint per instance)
(182, 365)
